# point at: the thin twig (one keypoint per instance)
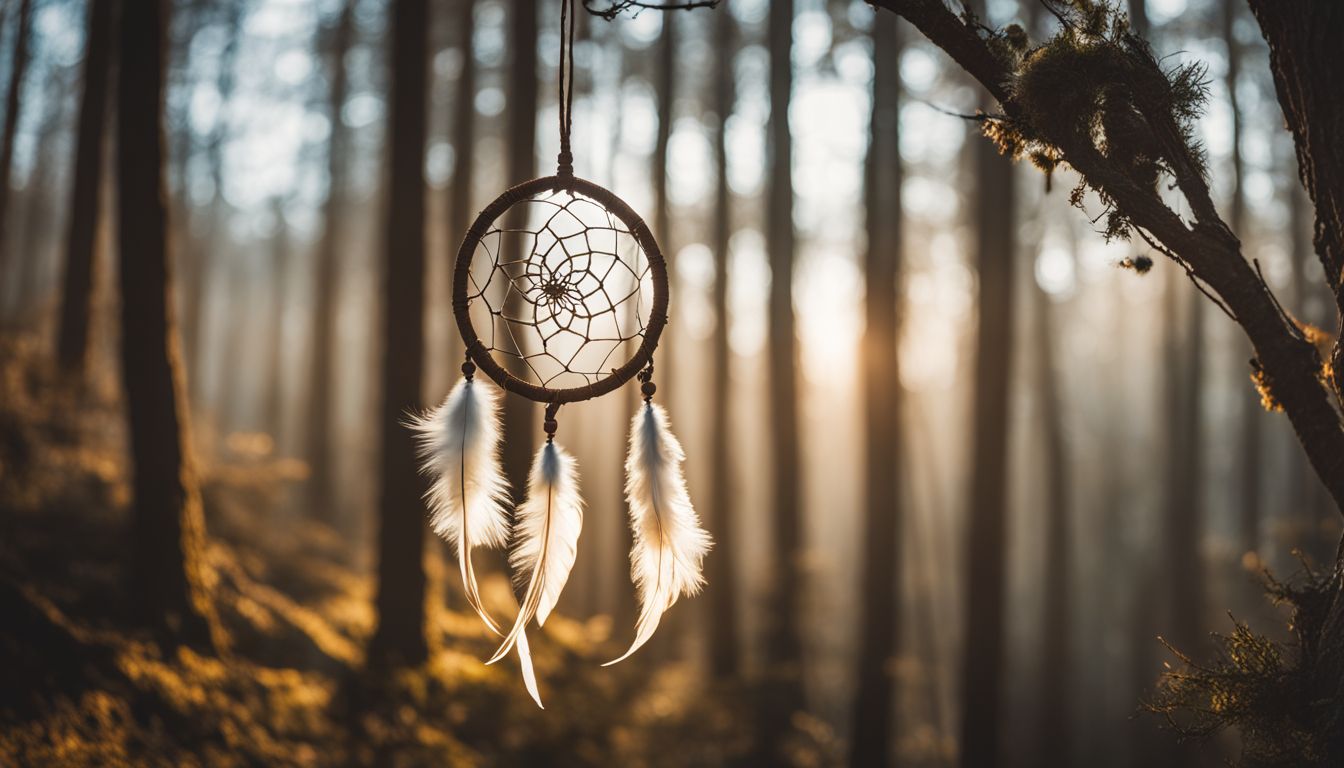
(617, 7)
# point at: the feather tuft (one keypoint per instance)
(669, 544)
(546, 539)
(459, 450)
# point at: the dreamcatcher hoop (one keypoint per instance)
(480, 353)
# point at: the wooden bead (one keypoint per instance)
(550, 426)
(648, 388)
(468, 368)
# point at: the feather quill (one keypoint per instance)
(546, 539)
(459, 451)
(669, 544)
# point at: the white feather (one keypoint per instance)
(669, 544)
(459, 450)
(546, 539)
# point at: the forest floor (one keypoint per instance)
(81, 687)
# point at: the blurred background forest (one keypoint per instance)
(881, 331)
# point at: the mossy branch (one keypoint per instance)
(1096, 98)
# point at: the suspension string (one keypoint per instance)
(566, 87)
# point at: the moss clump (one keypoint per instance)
(1095, 87)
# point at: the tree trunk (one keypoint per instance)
(783, 652)
(400, 636)
(986, 524)
(1252, 414)
(17, 68)
(662, 645)
(166, 588)
(519, 417)
(460, 210)
(1138, 17)
(1183, 511)
(36, 231)
(72, 341)
(210, 248)
(1308, 77)
(274, 392)
(721, 569)
(664, 86)
(874, 709)
(321, 497)
(1055, 716)
(1309, 503)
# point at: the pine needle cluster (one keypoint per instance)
(1282, 699)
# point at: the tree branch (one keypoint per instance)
(617, 7)
(1207, 247)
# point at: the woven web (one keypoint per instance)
(559, 291)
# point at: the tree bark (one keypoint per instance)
(460, 210)
(874, 701)
(1252, 414)
(400, 636)
(664, 101)
(662, 645)
(986, 524)
(37, 217)
(519, 417)
(18, 67)
(721, 569)
(72, 340)
(1308, 78)
(321, 497)
(210, 245)
(166, 589)
(274, 392)
(783, 650)
(1055, 721)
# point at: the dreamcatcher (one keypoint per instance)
(560, 293)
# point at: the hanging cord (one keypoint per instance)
(566, 88)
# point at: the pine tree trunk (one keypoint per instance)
(1252, 414)
(519, 417)
(783, 652)
(213, 244)
(1183, 513)
(721, 568)
(1055, 716)
(274, 392)
(1182, 507)
(986, 524)
(36, 230)
(400, 636)
(673, 627)
(166, 589)
(460, 209)
(72, 341)
(321, 497)
(18, 67)
(874, 706)
(664, 100)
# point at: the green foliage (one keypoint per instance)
(1095, 87)
(1281, 699)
